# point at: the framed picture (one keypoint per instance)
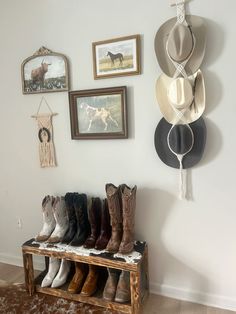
(44, 72)
(98, 113)
(116, 57)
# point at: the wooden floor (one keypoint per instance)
(155, 304)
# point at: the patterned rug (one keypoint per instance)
(15, 300)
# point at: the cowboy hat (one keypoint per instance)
(187, 140)
(181, 100)
(176, 43)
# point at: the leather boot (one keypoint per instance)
(114, 205)
(123, 294)
(83, 227)
(72, 218)
(62, 220)
(49, 221)
(105, 233)
(54, 265)
(128, 208)
(62, 274)
(95, 222)
(78, 278)
(90, 285)
(109, 291)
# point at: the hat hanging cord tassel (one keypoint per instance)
(182, 181)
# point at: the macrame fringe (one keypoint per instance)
(47, 155)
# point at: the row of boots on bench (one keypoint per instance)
(102, 225)
(86, 278)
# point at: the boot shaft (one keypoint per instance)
(95, 216)
(128, 206)
(114, 204)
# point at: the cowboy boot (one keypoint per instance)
(123, 294)
(90, 285)
(72, 219)
(105, 233)
(54, 265)
(62, 274)
(95, 222)
(114, 205)
(49, 222)
(83, 227)
(128, 207)
(62, 220)
(109, 291)
(78, 278)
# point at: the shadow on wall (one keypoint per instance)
(165, 270)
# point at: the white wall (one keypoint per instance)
(192, 248)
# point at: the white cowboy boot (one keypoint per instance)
(54, 265)
(62, 275)
(49, 222)
(62, 220)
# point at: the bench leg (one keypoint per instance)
(29, 273)
(135, 287)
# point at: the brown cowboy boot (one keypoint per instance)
(128, 207)
(78, 278)
(90, 285)
(105, 233)
(94, 214)
(114, 205)
(109, 291)
(123, 294)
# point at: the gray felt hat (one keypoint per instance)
(187, 140)
(176, 42)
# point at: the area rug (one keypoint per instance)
(15, 300)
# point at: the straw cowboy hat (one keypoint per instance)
(181, 100)
(177, 43)
(184, 140)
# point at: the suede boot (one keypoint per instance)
(49, 222)
(83, 227)
(78, 278)
(109, 291)
(54, 265)
(105, 233)
(123, 294)
(95, 222)
(114, 205)
(128, 209)
(69, 197)
(62, 220)
(62, 274)
(90, 285)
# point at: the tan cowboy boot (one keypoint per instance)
(78, 278)
(114, 205)
(90, 285)
(123, 294)
(128, 207)
(109, 291)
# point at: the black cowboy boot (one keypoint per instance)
(69, 197)
(95, 222)
(83, 227)
(105, 233)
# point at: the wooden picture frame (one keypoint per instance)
(98, 113)
(46, 71)
(116, 57)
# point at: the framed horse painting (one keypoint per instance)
(116, 57)
(98, 113)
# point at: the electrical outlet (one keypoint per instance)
(19, 223)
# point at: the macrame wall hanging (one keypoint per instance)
(45, 136)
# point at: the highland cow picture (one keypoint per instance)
(117, 57)
(45, 72)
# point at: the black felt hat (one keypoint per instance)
(187, 140)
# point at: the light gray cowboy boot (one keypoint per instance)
(128, 209)
(109, 291)
(123, 294)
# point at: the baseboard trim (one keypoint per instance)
(213, 300)
(18, 261)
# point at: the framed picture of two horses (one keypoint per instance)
(116, 57)
(98, 113)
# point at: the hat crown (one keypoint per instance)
(181, 139)
(180, 93)
(180, 42)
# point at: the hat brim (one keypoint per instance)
(190, 159)
(194, 111)
(198, 28)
